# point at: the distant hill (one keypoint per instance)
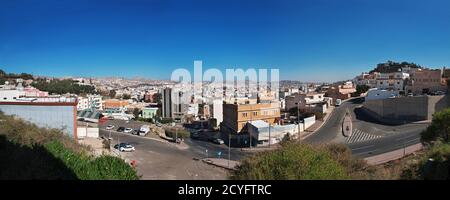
(391, 66)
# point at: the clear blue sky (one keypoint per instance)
(307, 40)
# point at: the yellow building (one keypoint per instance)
(235, 116)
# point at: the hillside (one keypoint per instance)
(29, 152)
(391, 66)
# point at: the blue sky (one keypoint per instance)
(310, 40)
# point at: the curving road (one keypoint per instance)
(371, 137)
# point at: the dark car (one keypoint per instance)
(121, 129)
(135, 132)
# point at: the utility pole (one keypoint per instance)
(251, 128)
(229, 149)
(269, 135)
(298, 121)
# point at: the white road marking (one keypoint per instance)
(360, 136)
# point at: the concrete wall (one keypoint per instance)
(308, 122)
(87, 132)
(406, 108)
(58, 117)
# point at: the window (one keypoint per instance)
(255, 113)
(244, 114)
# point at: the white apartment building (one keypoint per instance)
(90, 101)
(217, 110)
(391, 81)
(11, 95)
(314, 101)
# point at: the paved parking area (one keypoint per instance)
(159, 159)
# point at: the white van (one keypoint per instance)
(144, 130)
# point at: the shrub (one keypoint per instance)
(165, 120)
(439, 167)
(355, 168)
(292, 161)
(87, 168)
(30, 152)
(439, 128)
(180, 133)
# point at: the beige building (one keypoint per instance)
(236, 116)
(312, 101)
(341, 91)
(426, 80)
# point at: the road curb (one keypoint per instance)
(320, 126)
(393, 155)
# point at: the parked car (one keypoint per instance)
(338, 102)
(218, 141)
(144, 130)
(121, 129)
(128, 130)
(439, 93)
(135, 132)
(124, 147)
(110, 127)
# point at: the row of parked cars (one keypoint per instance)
(205, 136)
(142, 131)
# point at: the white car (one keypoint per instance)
(124, 147)
(218, 141)
(109, 127)
(128, 130)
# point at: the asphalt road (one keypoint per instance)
(391, 137)
(164, 160)
(202, 148)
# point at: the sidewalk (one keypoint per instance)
(261, 148)
(220, 162)
(393, 155)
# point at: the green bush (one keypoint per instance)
(87, 168)
(439, 128)
(292, 161)
(30, 152)
(439, 167)
(179, 133)
(166, 120)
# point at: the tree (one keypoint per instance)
(63, 87)
(439, 128)
(157, 98)
(112, 94)
(126, 96)
(136, 113)
(360, 89)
